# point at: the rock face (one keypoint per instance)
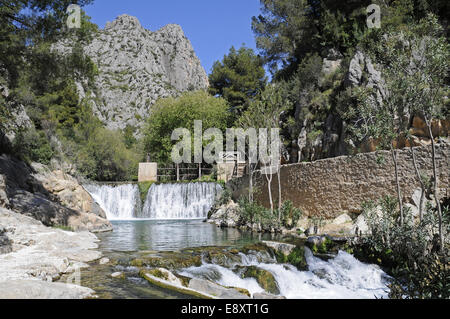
(17, 116)
(27, 289)
(54, 198)
(42, 253)
(226, 215)
(136, 67)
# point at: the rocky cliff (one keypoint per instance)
(136, 67)
(52, 197)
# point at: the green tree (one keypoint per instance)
(288, 30)
(170, 113)
(414, 63)
(238, 78)
(265, 112)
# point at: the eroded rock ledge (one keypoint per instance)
(50, 196)
(38, 255)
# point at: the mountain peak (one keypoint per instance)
(124, 21)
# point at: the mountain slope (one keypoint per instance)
(136, 67)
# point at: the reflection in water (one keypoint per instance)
(166, 235)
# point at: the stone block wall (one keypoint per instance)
(329, 187)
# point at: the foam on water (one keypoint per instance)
(163, 201)
(120, 202)
(340, 277)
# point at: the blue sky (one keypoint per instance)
(212, 26)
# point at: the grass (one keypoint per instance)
(63, 227)
(143, 189)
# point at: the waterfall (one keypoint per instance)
(120, 202)
(340, 277)
(180, 201)
(163, 201)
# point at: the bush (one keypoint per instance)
(171, 113)
(33, 146)
(105, 157)
(252, 212)
(290, 214)
(410, 252)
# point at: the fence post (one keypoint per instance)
(199, 170)
(178, 172)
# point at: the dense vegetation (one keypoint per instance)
(317, 108)
(238, 78)
(63, 127)
(171, 113)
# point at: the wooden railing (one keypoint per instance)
(179, 172)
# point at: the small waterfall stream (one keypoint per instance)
(180, 201)
(120, 202)
(163, 201)
(340, 277)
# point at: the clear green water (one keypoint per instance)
(131, 237)
(169, 235)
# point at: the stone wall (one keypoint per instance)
(329, 187)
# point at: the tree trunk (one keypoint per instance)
(279, 193)
(422, 185)
(399, 194)
(435, 186)
(250, 183)
(269, 188)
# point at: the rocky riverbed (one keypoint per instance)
(35, 256)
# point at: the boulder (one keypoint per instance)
(341, 225)
(226, 215)
(4, 201)
(52, 197)
(264, 278)
(40, 252)
(166, 275)
(360, 226)
(118, 275)
(103, 261)
(213, 289)
(53, 214)
(36, 289)
(283, 248)
(265, 295)
(67, 190)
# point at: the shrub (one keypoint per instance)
(409, 252)
(32, 145)
(290, 214)
(171, 113)
(252, 212)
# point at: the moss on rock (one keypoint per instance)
(174, 261)
(295, 258)
(264, 278)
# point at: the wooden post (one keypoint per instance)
(178, 172)
(199, 170)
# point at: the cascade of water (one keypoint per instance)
(164, 201)
(180, 201)
(340, 277)
(120, 202)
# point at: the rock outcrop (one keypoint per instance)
(136, 67)
(39, 255)
(54, 198)
(226, 215)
